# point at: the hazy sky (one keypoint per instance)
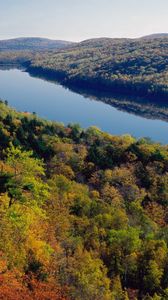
(82, 19)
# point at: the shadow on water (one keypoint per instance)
(115, 114)
(143, 107)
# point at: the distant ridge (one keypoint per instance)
(124, 66)
(155, 36)
(44, 44)
(32, 43)
(98, 42)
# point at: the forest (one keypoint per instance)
(123, 66)
(32, 44)
(83, 214)
(130, 67)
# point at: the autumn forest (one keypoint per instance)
(83, 213)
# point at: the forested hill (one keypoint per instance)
(137, 67)
(83, 214)
(32, 44)
(125, 66)
(155, 35)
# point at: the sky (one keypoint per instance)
(77, 20)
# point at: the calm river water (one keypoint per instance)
(54, 102)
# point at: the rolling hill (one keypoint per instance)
(155, 36)
(137, 67)
(125, 66)
(32, 43)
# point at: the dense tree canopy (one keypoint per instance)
(137, 67)
(124, 66)
(83, 214)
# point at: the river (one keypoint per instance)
(54, 102)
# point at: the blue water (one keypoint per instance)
(54, 102)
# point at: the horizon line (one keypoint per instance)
(80, 40)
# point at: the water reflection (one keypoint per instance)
(116, 115)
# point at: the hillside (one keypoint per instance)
(32, 44)
(136, 67)
(83, 213)
(155, 36)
